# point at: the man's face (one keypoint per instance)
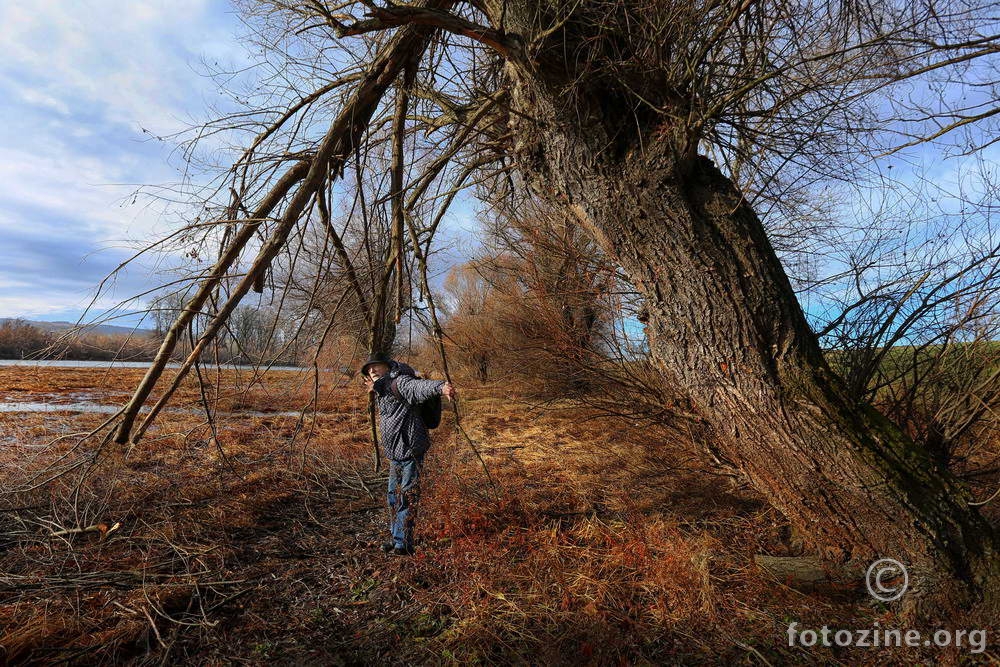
(375, 371)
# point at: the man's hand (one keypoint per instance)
(448, 391)
(369, 383)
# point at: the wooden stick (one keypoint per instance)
(398, 130)
(101, 528)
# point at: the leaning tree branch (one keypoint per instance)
(222, 265)
(349, 268)
(383, 18)
(343, 137)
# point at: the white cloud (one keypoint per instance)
(67, 186)
(78, 82)
(39, 298)
(131, 61)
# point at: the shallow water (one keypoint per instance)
(8, 406)
(64, 363)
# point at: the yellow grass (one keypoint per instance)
(603, 542)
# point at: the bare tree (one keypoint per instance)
(610, 110)
(546, 289)
(907, 306)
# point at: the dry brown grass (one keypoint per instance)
(601, 544)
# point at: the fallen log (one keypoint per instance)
(809, 574)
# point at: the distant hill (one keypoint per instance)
(59, 327)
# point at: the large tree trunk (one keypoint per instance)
(726, 326)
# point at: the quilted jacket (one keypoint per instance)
(402, 431)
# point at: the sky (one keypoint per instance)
(85, 87)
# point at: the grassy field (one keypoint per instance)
(255, 542)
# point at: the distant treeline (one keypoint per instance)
(22, 340)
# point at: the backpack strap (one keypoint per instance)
(396, 393)
(399, 396)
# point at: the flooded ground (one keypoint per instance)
(66, 363)
(100, 388)
(110, 402)
(100, 408)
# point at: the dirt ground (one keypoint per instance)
(253, 539)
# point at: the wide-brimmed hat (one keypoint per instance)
(376, 358)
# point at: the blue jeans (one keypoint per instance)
(404, 492)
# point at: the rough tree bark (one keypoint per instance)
(725, 325)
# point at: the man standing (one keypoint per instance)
(405, 438)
